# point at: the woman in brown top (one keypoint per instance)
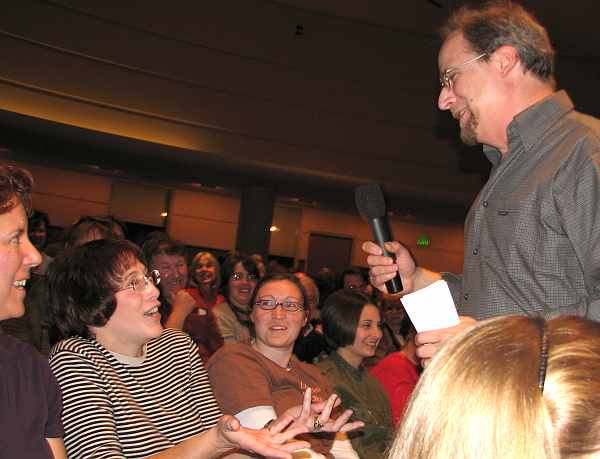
(262, 380)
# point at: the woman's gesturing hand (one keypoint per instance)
(316, 417)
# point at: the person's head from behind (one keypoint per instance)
(169, 258)
(86, 229)
(353, 279)
(18, 256)
(312, 294)
(240, 275)
(490, 53)
(279, 312)
(484, 395)
(103, 290)
(351, 325)
(205, 272)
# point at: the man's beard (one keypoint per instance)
(468, 132)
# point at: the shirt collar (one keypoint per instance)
(529, 125)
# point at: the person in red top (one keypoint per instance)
(398, 372)
(205, 280)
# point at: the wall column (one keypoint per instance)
(255, 219)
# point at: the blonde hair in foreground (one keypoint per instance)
(479, 397)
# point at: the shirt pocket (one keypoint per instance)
(510, 233)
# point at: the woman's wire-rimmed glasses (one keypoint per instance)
(140, 284)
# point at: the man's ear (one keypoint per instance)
(506, 59)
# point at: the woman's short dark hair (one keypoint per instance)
(276, 278)
(340, 316)
(15, 182)
(83, 282)
(228, 268)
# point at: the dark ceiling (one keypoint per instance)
(309, 97)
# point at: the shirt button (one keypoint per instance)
(475, 251)
(485, 203)
(466, 296)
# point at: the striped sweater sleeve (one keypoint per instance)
(88, 419)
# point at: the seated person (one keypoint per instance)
(86, 229)
(239, 274)
(30, 402)
(352, 328)
(32, 327)
(398, 373)
(511, 387)
(131, 389)
(262, 380)
(354, 278)
(181, 307)
(206, 280)
(310, 345)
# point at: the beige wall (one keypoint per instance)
(210, 220)
(203, 219)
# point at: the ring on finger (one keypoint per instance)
(317, 426)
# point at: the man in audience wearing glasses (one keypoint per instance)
(30, 402)
(532, 236)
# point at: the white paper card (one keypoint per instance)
(431, 307)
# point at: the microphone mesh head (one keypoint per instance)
(370, 201)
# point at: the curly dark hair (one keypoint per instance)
(15, 182)
(83, 282)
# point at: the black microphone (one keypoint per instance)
(371, 205)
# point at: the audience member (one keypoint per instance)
(398, 373)
(130, 388)
(263, 380)
(32, 327)
(310, 344)
(260, 264)
(512, 387)
(353, 278)
(326, 280)
(206, 278)
(182, 308)
(240, 274)
(352, 328)
(86, 229)
(30, 401)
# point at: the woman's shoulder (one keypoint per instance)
(231, 352)
(172, 335)
(75, 345)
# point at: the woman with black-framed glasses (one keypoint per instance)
(131, 389)
(262, 380)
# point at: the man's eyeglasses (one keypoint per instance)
(447, 77)
(240, 276)
(140, 284)
(268, 304)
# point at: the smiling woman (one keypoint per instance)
(130, 389)
(277, 379)
(352, 327)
